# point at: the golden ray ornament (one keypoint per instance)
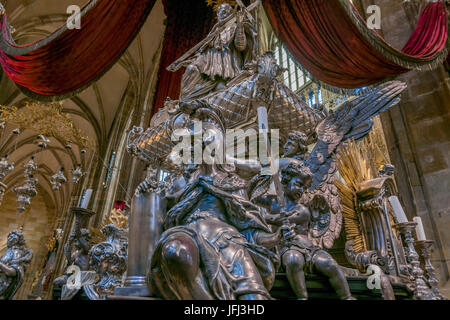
(46, 119)
(117, 218)
(358, 162)
(217, 3)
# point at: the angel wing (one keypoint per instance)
(350, 121)
(290, 113)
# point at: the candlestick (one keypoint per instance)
(82, 217)
(424, 248)
(85, 198)
(398, 209)
(421, 289)
(419, 229)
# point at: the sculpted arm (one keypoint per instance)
(268, 240)
(245, 168)
(26, 258)
(9, 271)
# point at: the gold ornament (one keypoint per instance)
(357, 162)
(217, 3)
(117, 218)
(47, 120)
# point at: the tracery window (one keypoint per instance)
(311, 97)
(294, 78)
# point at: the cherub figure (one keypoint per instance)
(298, 253)
(296, 146)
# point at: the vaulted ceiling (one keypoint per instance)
(95, 111)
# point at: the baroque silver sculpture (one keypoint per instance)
(221, 56)
(5, 168)
(108, 260)
(76, 252)
(13, 264)
(213, 220)
(77, 174)
(58, 179)
(27, 191)
(227, 228)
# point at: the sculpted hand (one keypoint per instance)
(239, 17)
(287, 233)
(274, 219)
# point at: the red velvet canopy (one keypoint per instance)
(188, 22)
(333, 43)
(327, 37)
(69, 60)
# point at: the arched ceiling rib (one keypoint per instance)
(95, 111)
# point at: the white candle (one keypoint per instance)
(263, 126)
(398, 210)
(85, 198)
(419, 229)
(263, 122)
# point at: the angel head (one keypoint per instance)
(107, 257)
(207, 128)
(296, 179)
(15, 238)
(224, 11)
(296, 144)
(267, 66)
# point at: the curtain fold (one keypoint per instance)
(68, 61)
(327, 37)
(188, 22)
(333, 43)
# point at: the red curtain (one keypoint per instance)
(331, 41)
(70, 60)
(327, 37)
(188, 22)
